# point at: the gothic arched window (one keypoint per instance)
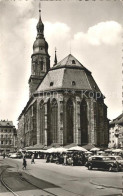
(84, 122)
(69, 125)
(42, 121)
(49, 134)
(54, 121)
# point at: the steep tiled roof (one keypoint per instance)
(69, 61)
(64, 74)
(62, 78)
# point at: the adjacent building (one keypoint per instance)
(116, 133)
(8, 136)
(65, 104)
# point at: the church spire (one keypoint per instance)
(55, 60)
(40, 57)
(40, 25)
(40, 12)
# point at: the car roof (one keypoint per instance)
(98, 156)
(115, 156)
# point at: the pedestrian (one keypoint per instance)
(65, 159)
(32, 158)
(47, 158)
(24, 163)
(4, 155)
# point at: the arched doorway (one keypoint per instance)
(54, 121)
(69, 121)
(84, 122)
(42, 121)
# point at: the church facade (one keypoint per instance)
(65, 104)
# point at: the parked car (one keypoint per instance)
(17, 155)
(119, 159)
(10, 153)
(103, 162)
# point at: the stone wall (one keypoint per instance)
(96, 118)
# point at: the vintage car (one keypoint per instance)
(103, 162)
(17, 155)
(119, 159)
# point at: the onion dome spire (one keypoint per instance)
(40, 25)
(40, 45)
(55, 60)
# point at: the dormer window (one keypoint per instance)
(51, 83)
(73, 62)
(73, 83)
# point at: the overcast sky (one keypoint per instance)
(93, 29)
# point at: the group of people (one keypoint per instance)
(73, 158)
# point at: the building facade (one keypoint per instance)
(8, 137)
(65, 104)
(116, 133)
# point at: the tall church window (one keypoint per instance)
(54, 121)
(100, 133)
(69, 125)
(42, 121)
(84, 122)
(49, 133)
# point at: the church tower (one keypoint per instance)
(40, 58)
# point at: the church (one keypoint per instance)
(65, 104)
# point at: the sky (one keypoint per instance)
(91, 30)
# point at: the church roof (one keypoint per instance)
(69, 61)
(65, 75)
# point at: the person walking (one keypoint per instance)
(24, 163)
(32, 158)
(65, 159)
(4, 155)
